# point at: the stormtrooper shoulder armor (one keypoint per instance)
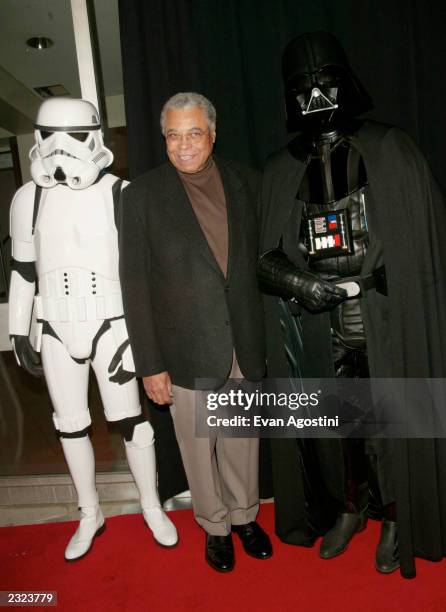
(21, 213)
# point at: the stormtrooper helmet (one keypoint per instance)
(69, 147)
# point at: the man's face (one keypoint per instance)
(189, 139)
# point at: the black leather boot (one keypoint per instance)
(387, 556)
(336, 540)
(353, 518)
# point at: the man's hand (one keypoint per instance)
(159, 388)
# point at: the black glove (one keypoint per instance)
(27, 357)
(278, 276)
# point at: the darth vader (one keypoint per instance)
(354, 279)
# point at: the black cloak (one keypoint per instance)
(406, 330)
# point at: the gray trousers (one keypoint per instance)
(222, 472)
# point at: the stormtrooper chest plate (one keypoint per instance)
(76, 229)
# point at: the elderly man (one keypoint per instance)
(188, 258)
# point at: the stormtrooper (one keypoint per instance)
(347, 218)
(65, 266)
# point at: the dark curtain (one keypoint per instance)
(230, 51)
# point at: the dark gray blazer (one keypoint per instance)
(182, 315)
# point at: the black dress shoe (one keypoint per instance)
(220, 552)
(336, 540)
(387, 558)
(255, 541)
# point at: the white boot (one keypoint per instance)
(92, 524)
(141, 457)
(164, 531)
(80, 459)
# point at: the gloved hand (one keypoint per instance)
(315, 294)
(116, 367)
(278, 276)
(26, 356)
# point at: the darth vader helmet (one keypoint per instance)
(69, 147)
(321, 90)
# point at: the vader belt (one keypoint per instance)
(357, 286)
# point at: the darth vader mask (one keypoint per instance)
(321, 90)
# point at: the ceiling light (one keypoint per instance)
(39, 42)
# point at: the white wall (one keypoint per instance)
(5, 344)
(115, 110)
(24, 144)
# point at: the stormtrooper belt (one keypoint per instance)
(86, 308)
(357, 286)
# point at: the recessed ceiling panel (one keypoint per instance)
(21, 20)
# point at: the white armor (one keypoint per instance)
(70, 234)
(68, 136)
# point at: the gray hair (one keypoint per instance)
(188, 100)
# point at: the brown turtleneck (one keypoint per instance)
(206, 194)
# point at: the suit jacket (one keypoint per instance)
(182, 314)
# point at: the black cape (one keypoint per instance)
(406, 331)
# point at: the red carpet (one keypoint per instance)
(126, 570)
